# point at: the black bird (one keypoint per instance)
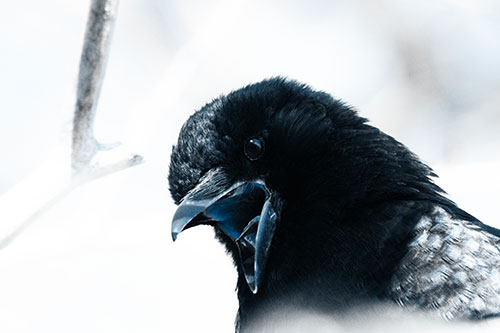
(324, 212)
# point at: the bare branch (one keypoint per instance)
(85, 148)
(92, 67)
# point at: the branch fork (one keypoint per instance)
(25, 203)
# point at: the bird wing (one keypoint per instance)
(452, 266)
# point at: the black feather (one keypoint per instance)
(352, 195)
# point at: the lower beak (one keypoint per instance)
(243, 212)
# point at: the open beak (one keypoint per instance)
(242, 211)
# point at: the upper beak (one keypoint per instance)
(243, 211)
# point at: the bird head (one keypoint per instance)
(281, 172)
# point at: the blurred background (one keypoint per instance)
(102, 259)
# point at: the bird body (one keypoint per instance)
(322, 211)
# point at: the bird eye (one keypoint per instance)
(254, 148)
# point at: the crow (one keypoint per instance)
(322, 211)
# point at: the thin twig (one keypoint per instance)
(4, 242)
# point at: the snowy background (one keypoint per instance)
(102, 259)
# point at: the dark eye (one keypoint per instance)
(254, 148)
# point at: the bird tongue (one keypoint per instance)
(246, 247)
